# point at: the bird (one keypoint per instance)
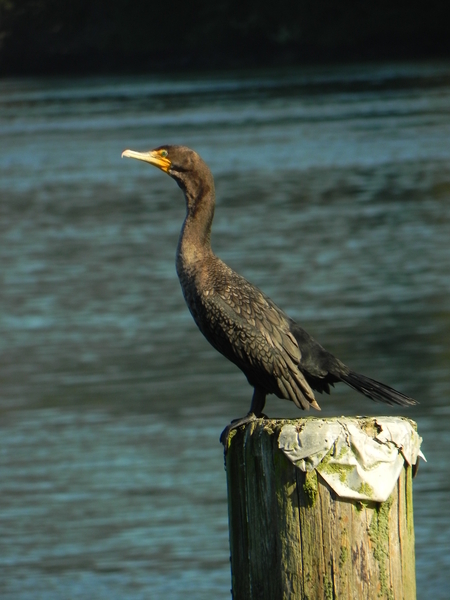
(274, 352)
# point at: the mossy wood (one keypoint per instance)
(292, 538)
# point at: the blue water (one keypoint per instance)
(333, 196)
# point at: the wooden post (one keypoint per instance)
(293, 538)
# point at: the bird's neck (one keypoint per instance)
(194, 245)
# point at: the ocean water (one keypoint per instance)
(333, 196)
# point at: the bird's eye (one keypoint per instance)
(164, 153)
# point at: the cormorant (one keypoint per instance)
(275, 354)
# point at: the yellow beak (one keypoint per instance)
(153, 157)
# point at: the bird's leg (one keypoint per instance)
(256, 408)
(258, 403)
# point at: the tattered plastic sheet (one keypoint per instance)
(359, 458)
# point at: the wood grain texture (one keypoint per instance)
(292, 538)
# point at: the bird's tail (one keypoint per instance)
(375, 390)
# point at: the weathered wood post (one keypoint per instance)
(322, 509)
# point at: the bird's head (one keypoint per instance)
(181, 163)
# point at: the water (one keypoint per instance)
(333, 196)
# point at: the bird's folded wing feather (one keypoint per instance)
(249, 329)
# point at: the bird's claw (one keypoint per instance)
(235, 423)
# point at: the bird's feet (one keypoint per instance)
(249, 418)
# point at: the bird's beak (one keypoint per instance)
(153, 157)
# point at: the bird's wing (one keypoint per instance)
(251, 331)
